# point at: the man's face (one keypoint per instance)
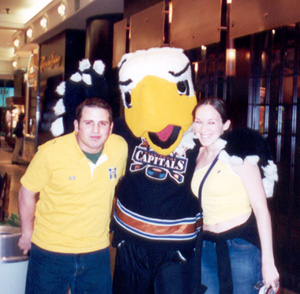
(93, 129)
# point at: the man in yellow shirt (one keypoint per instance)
(67, 229)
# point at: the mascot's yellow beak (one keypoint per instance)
(160, 113)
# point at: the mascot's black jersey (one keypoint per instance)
(155, 205)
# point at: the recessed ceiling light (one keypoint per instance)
(17, 43)
(44, 22)
(61, 9)
(29, 33)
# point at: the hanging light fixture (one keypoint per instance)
(230, 50)
(196, 67)
(230, 61)
(170, 11)
(196, 70)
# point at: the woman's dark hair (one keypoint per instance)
(94, 102)
(216, 103)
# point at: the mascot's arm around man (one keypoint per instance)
(156, 218)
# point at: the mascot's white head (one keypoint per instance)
(158, 96)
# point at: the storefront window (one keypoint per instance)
(4, 93)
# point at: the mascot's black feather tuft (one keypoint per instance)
(77, 92)
(245, 142)
(88, 82)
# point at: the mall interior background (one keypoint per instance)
(260, 82)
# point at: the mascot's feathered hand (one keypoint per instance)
(158, 96)
(88, 82)
(246, 143)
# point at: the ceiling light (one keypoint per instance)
(17, 43)
(14, 64)
(61, 9)
(44, 22)
(29, 33)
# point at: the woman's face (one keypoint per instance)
(208, 125)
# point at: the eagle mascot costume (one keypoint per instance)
(156, 216)
(156, 219)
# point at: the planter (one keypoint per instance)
(13, 264)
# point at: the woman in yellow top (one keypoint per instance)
(237, 251)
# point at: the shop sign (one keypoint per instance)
(50, 62)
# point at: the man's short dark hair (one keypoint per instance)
(94, 102)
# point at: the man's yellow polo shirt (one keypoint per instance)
(74, 208)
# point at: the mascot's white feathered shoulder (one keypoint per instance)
(245, 143)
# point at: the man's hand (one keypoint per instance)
(26, 210)
(24, 244)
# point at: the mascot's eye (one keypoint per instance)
(183, 88)
(128, 100)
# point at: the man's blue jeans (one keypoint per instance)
(245, 259)
(51, 272)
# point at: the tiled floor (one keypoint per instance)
(16, 172)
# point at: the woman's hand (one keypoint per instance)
(270, 275)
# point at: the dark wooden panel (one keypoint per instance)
(133, 6)
(147, 28)
(248, 17)
(119, 41)
(195, 23)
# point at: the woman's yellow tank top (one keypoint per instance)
(224, 196)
